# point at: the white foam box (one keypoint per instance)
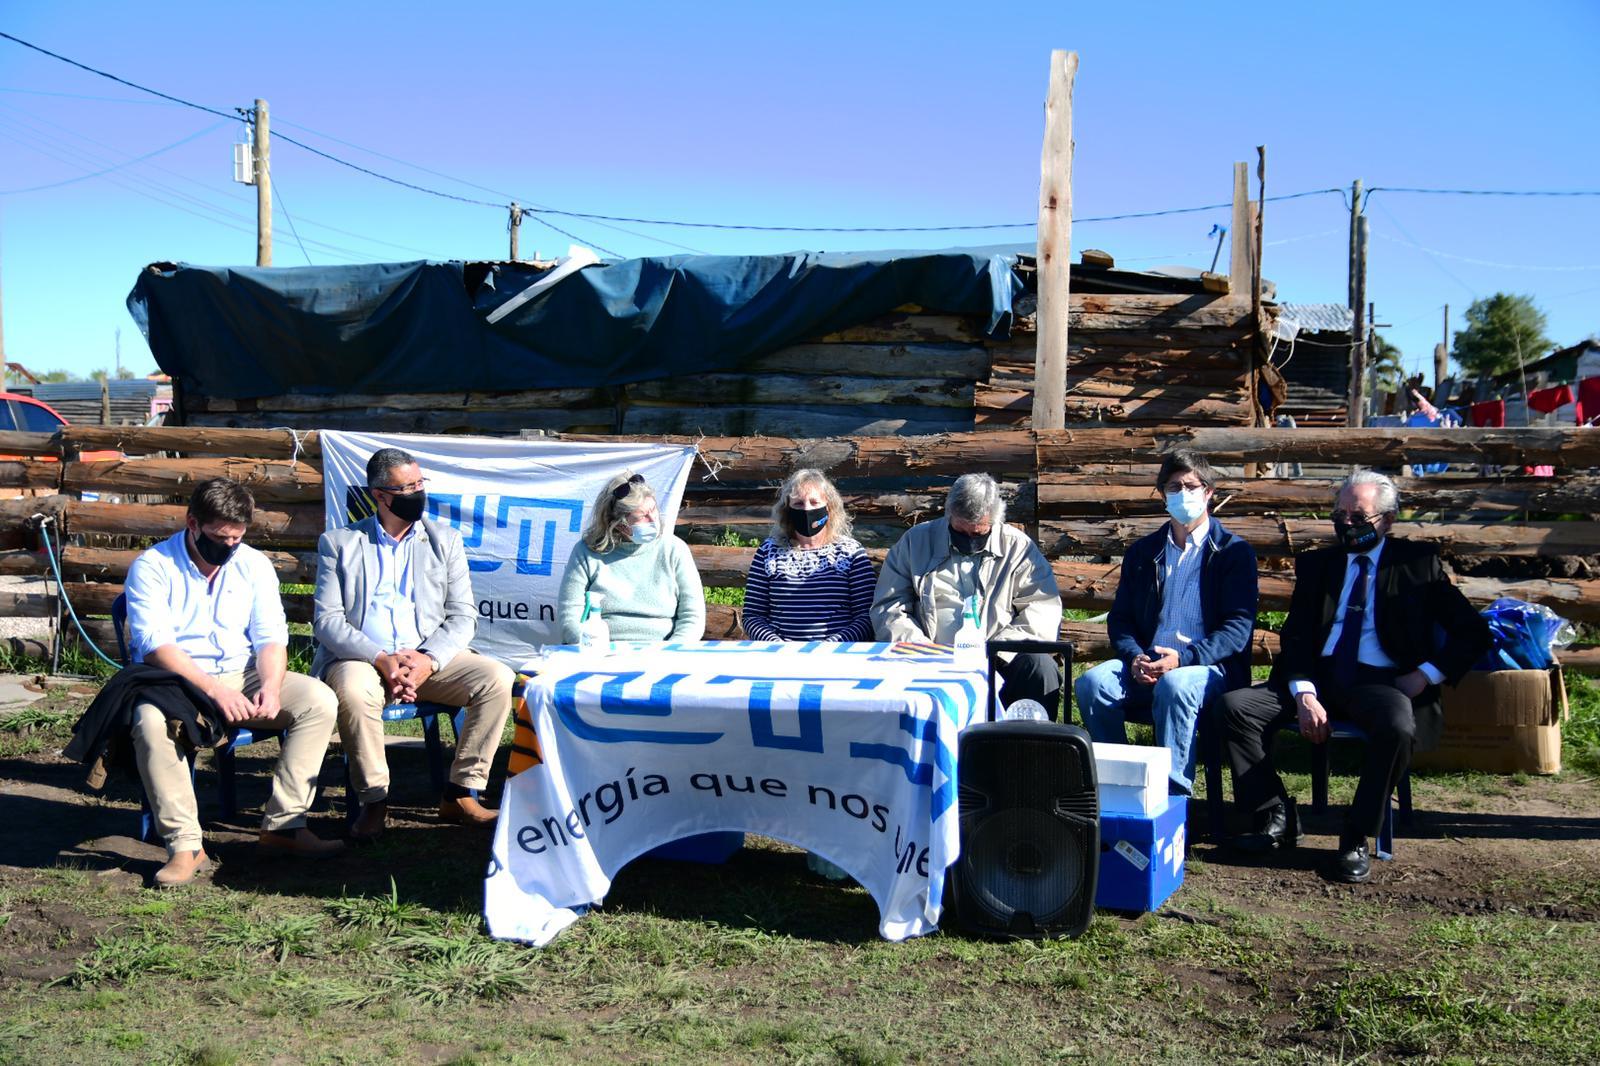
(1132, 778)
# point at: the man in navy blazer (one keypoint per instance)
(1180, 625)
(1374, 628)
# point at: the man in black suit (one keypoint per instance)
(1374, 628)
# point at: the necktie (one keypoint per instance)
(1346, 653)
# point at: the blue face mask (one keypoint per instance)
(1186, 506)
(644, 532)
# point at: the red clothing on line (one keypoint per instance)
(1490, 413)
(1547, 400)
(1588, 398)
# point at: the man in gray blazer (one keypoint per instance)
(394, 616)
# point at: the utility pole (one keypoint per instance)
(516, 229)
(263, 173)
(1441, 353)
(1358, 325)
(1355, 213)
(119, 352)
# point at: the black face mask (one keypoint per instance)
(213, 551)
(408, 507)
(1356, 537)
(967, 543)
(808, 521)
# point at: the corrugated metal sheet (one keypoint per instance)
(79, 401)
(1318, 318)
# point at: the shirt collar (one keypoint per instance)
(385, 538)
(1197, 535)
(1371, 553)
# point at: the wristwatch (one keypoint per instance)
(432, 660)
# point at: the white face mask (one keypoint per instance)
(1186, 506)
(643, 533)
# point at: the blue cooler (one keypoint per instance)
(713, 849)
(1141, 857)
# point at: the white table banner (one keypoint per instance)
(520, 506)
(848, 750)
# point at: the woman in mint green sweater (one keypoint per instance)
(641, 577)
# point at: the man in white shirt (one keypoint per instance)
(205, 605)
(1374, 628)
(394, 616)
(1180, 625)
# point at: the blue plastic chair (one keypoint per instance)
(429, 714)
(1319, 786)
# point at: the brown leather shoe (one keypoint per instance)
(302, 843)
(182, 868)
(466, 810)
(372, 821)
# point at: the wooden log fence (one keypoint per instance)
(1077, 514)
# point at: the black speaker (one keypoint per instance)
(1030, 831)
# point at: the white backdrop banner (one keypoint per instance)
(520, 506)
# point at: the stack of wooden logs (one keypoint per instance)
(1135, 359)
(1082, 520)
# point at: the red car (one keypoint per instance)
(24, 413)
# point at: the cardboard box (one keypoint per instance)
(1132, 778)
(1501, 721)
(1141, 858)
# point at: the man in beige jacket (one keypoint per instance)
(938, 567)
(394, 616)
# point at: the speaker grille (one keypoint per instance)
(1026, 862)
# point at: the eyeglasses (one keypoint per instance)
(1354, 516)
(403, 490)
(1178, 486)
(627, 486)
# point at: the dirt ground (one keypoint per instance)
(1477, 943)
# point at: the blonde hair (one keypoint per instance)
(609, 509)
(839, 524)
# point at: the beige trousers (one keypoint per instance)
(470, 680)
(307, 719)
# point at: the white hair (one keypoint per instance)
(974, 498)
(1388, 496)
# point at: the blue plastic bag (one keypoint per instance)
(1525, 635)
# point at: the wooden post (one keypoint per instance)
(1355, 213)
(1055, 246)
(1241, 235)
(263, 172)
(516, 229)
(105, 400)
(1441, 354)
(1358, 328)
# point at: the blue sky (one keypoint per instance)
(838, 114)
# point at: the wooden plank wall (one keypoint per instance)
(1135, 359)
(1083, 520)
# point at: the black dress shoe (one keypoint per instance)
(1279, 829)
(1352, 865)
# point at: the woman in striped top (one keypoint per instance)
(809, 580)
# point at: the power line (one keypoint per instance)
(118, 166)
(113, 77)
(285, 209)
(1491, 262)
(1484, 192)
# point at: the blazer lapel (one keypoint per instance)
(367, 574)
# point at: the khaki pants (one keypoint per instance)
(470, 680)
(307, 719)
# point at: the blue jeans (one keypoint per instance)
(1106, 692)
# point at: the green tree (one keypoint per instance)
(51, 377)
(1499, 330)
(1386, 363)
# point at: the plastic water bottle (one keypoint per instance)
(594, 636)
(969, 642)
